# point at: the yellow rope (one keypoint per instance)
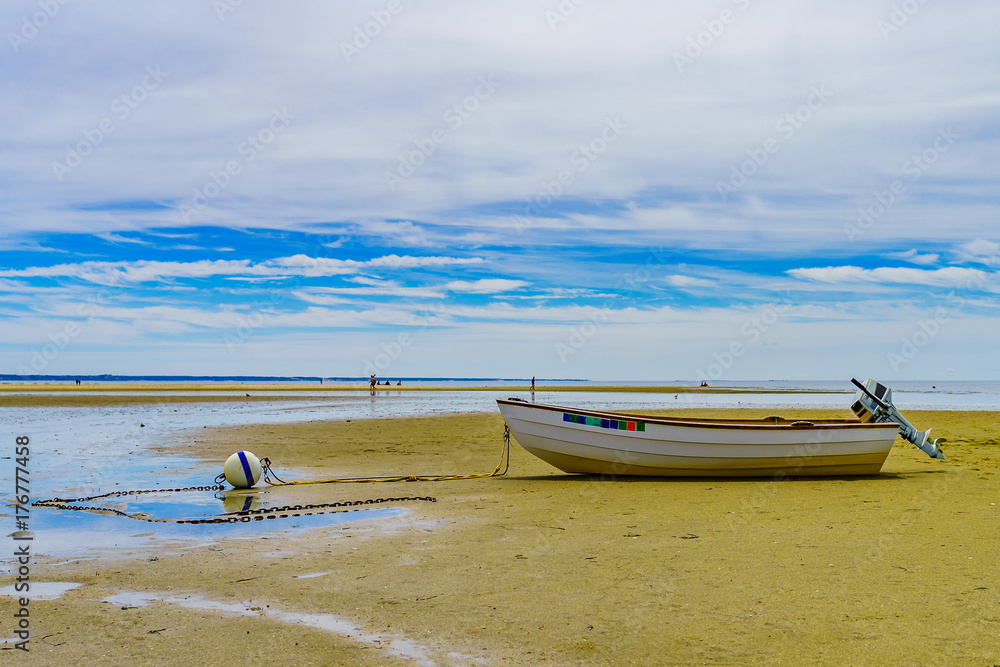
(504, 459)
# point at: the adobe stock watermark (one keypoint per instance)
(121, 108)
(262, 311)
(366, 32)
(32, 25)
(751, 331)
(786, 126)
(940, 487)
(248, 150)
(703, 40)
(914, 167)
(597, 317)
(59, 340)
(22, 552)
(258, 317)
(454, 117)
(391, 351)
(911, 345)
(581, 334)
(927, 329)
(562, 13)
(765, 490)
(225, 7)
(580, 159)
(899, 16)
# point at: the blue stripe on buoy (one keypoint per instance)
(246, 468)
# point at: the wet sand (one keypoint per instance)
(541, 567)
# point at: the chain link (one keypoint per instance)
(283, 512)
(133, 492)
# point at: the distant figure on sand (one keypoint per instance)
(532, 383)
(399, 383)
(371, 383)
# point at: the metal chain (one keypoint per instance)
(270, 477)
(289, 511)
(133, 492)
(284, 512)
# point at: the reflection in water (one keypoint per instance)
(239, 500)
(66, 533)
(41, 590)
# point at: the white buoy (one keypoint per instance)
(242, 469)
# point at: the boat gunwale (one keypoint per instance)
(766, 423)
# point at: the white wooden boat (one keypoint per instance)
(610, 443)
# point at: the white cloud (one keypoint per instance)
(485, 286)
(683, 281)
(381, 288)
(320, 294)
(946, 277)
(398, 233)
(562, 293)
(915, 257)
(12, 244)
(114, 273)
(111, 237)
(981, 250)
(18, 287)
(408, 262)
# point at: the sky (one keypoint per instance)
(629, 190)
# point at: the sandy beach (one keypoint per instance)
(539, 567)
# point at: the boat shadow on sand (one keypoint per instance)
(663, 479)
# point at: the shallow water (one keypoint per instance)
(83, 451)
(79, 451)
(41, 590)
(328, 622)
(65, 534)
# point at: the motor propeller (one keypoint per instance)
(873, 403)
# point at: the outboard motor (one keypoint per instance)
(873, 403)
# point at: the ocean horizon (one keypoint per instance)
(809, 385)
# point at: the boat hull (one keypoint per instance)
(607, 443)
